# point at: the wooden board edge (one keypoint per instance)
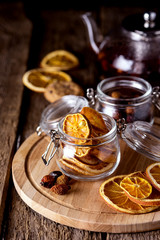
(66, 216)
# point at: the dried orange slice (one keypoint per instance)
(71, 167)
(104, 153)
(76, 125)
(38, 79)
(153, 174)
(96, 120)
(87, 158)
(116, 198)
(84, 168)
(136, 187)
(59, 60)
(152, 200)
(82, 151)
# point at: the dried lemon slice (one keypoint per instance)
(59, 60)
(75, 125)
(38, 79)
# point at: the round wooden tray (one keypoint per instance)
(82, 207)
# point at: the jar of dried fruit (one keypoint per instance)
(89, 158)
(126, 97)
(83, 142)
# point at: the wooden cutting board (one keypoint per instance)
(82, 207)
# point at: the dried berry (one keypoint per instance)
(48, 181)
(129, 118)
(60, 189)
(63, 179)
(55, 174)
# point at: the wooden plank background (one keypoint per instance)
(23, 43)
(14, 50)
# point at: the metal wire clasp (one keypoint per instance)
(91, 96)
(51, 150)
(39, 131)
(156, 96)
(121, 125)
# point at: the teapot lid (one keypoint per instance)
(146, 24)
(144, 138)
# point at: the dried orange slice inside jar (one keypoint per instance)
(76, 125)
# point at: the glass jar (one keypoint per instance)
(125, 97)
(89, 158)
(81, 159)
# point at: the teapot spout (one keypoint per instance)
(93, 32)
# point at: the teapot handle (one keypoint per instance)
(94, 35)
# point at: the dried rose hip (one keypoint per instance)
(55, 174)
(129, 118)
(48, 181)
(63, 179)
(60, 189)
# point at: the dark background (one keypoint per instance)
(83, 4)
(34, 7)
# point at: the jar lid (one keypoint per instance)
(146, 24)
(52, 114)
(144, 138)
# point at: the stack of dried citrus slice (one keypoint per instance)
(134, 193)
(86, 155)
(50, 78)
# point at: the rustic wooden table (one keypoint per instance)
(23, 43)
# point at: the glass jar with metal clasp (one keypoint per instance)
(127, 97)
(82, 159)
